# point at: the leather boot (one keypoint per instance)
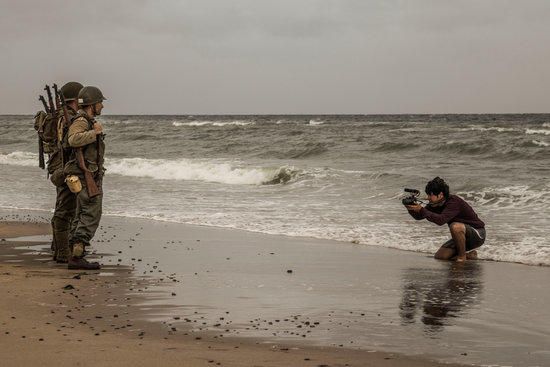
(76, 263)
(63, 253)
(77, 260)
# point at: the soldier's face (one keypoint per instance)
(98, 107)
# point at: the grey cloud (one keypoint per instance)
(348, 56)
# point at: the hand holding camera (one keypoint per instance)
(411, 201)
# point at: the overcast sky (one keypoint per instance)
(281, 56)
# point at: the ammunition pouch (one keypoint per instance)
(58, 177)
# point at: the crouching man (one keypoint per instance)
(467, 230)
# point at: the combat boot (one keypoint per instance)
(77, 260)
(63, 251)
(81, 263)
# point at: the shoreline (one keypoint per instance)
(77, 323)
(260, 233)
(280, 291)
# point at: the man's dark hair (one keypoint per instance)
(436, 186)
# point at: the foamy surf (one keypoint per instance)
(537, 131)
(212, 123)
(19, 158)
(192, 170)
(540, 143)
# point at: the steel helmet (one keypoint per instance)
(70, 90)
(90, 95)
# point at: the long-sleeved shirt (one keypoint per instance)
(454, 209)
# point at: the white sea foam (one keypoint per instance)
(123, 122)
(316, 122)
(213, 123)
(490, 128)
(18, 158)
(185, 169)
(546, 124)
(518, 196)
(540, 143)
(537, 131)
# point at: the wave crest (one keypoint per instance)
(190, 170)
(213, 123)
(18, 158)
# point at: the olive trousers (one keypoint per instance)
(87, 217)
(63, 215)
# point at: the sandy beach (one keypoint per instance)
(191, 295)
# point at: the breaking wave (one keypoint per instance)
(540, 143)
(316, 122)
(178, 169)
(490, 128)
(519, 196)
(537, 131)
(194, 170)
(213, 123)
(26, 159)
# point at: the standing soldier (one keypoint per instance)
(65, 203)
(86, 165)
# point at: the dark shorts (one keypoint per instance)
(475, 237)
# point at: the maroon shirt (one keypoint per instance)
(455, 209)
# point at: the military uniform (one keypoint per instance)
(88, 210)
(83, 137)
(65, 203)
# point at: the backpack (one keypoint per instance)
(45, 125)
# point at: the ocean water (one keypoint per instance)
(331, 177)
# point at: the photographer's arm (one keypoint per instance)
(415, 211)
(451, 210)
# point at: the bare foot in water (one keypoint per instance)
(472, 255)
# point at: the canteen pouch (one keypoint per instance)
(74, 184)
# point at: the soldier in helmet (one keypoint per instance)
(86, 134)
(65, 203)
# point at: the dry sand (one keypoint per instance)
(51, 316)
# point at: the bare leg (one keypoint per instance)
(458, 232)
(445, 253)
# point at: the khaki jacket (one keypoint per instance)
(82, 135)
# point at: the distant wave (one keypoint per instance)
(123, 122)
(537, 131)
(307, 151)
(185, 169)
(213, 123)
(395, 146)
(540, 143)
(490, 128)
(463, 147)
(27, 159)
(316, 122)
(507, 196)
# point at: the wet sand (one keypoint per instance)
(52, 316)
(197, 294)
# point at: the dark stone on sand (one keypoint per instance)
(289, 271)
(68, 287)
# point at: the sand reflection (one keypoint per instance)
(436, 296)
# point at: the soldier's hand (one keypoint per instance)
(98, 128)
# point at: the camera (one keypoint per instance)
(412, 198)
